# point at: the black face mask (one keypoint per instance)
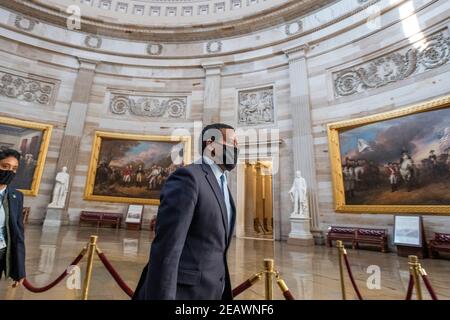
(229, 155)
(6, 176)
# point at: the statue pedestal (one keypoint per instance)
(300, 234)
(55, 217)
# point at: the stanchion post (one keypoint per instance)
(90, 261)
(414, 269)
(341, 249)
(269, 272)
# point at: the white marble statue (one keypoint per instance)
(298, 196)
(61, 189)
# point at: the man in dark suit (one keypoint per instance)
(12, 246)
(194, 226)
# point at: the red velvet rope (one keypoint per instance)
(288, 295)
(410, 288)
(34, 289)
(352, 279)
(115, 275)
(429, 287)
(241, 288)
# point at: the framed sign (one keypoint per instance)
(134, 214)
(408, 231)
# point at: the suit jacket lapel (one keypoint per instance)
(219, 196)
(12, 204)
(233, 217)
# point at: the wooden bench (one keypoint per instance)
(358, 236)
(340, 233)
(440, 243)
(371, 236)
(100, 218)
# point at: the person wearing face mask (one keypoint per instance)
(12, 246)
(194, 226)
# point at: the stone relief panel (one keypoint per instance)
(256, 107)
(25, 23)
(214, 46)
(169, 107)
(26, 89)
(393, 67)
(93, 42)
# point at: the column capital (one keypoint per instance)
(213, 68)
(297, 52)
(88, 64)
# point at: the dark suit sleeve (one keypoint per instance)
(177, 206)
(20, 244)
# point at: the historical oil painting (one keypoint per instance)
(133, 169)
(396, 161)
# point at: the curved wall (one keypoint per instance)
(336, 38)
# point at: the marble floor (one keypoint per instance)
(311, 273)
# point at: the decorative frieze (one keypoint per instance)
(256, 107)
(93, 42)
(154, 49)
(393, 67)
(214, 46)
(150, 106)
(27, 89)
(294, 28)
(25, 23)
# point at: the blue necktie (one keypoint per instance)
(226, 197)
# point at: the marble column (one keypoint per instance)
(70, 145)
(211, 102)
(303, 144)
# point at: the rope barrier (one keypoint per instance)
(92, 248)
(352, 279)
(284, 289)
(247, 284)
(427, 282)
(114, 273)
(34, 289)
(410, 288)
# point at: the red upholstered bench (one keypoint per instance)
(358, 236)
(371, 236)
(101, 218)
(340, 233)
(440, 243)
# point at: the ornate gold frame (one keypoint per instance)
(46, 134)
(338, 185)
(99, 135)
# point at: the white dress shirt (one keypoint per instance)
(218, 173)
(2, 220)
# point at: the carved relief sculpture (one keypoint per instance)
(393, 67)
(256, 106)
(18, 87)
(149, 106)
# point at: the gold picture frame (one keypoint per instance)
(38, 163)
(95, 158)
(335, 129)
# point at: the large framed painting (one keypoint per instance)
(395, 162)
(133, 168)
(31, 139)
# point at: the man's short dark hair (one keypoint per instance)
(6, 153)
(210, 132)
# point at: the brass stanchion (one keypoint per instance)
(269, 271)
(342, 251)
(283, 286)
(90, 261)
(415, 269)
